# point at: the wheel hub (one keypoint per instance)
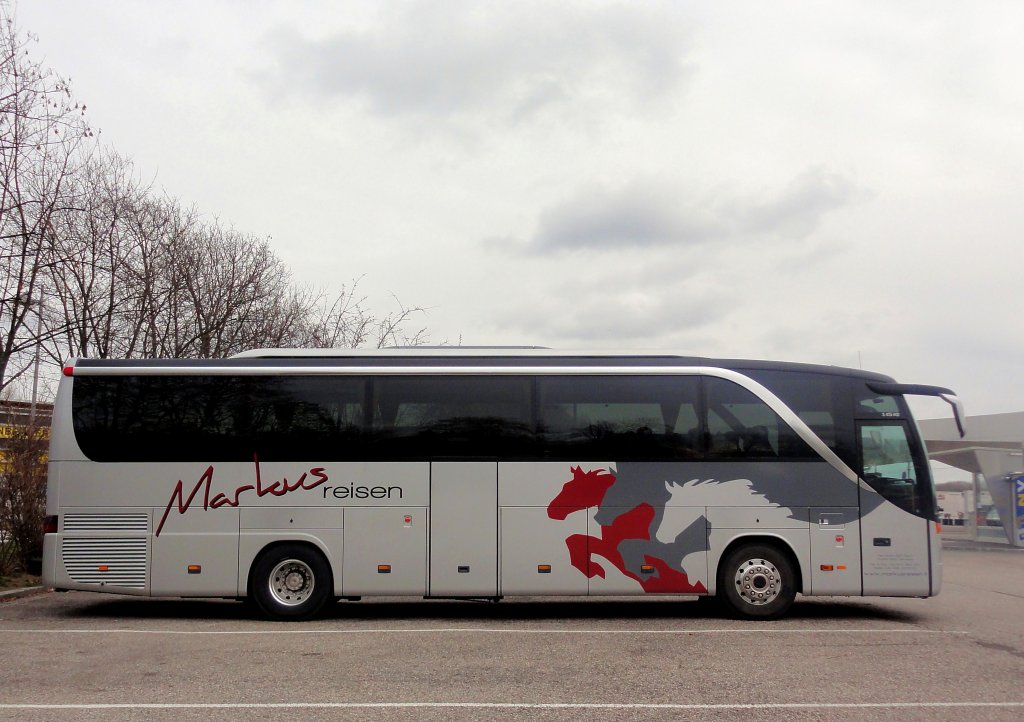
(758, 581)
(292, 582)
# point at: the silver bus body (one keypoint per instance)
(438, 513)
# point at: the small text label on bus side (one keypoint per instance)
(364, 492)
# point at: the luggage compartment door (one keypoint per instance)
(464, 529)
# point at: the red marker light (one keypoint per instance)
(69, 370)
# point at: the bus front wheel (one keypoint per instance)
(757, 581)
(291, 582)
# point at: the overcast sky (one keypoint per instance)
(777, 180)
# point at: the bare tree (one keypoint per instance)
(344, 321)
(143, 277)
(126, 272)
(42, 130)
(160, 228)
(95, 296)
(234, 287)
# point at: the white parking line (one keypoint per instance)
(516, 705)
(481, 630)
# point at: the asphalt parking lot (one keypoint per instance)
(75, 656)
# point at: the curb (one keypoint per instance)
(980, 546)
(19, 593)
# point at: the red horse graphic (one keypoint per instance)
(587, 489)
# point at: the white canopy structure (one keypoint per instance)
(992, 450)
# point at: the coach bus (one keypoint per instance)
(292, 478)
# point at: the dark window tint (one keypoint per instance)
(822, 401)
(218, 418)
(614, 417)
(330, 418)
(451, 416)
(868, 404)
(740, 425)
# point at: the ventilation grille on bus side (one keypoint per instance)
(78, 523)
(106, 562)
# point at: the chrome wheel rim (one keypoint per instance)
(758, 582)
(291, 582)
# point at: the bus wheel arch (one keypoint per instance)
(758, 577)
(290, 580)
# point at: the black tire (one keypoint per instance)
(757, 581)
(291, 582)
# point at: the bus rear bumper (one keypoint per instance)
(50, 560)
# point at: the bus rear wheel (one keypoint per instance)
(291, 582)
(757, 581)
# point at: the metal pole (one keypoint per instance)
(35, 370)
(48, 226)
(1017, 507)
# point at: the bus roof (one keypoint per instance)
(521, 356)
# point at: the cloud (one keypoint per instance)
(422, 58)
(639, 215)
(798, 208)
(639, 307)
(646, 214)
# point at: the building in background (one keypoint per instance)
(17, 415)
(993, 453)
